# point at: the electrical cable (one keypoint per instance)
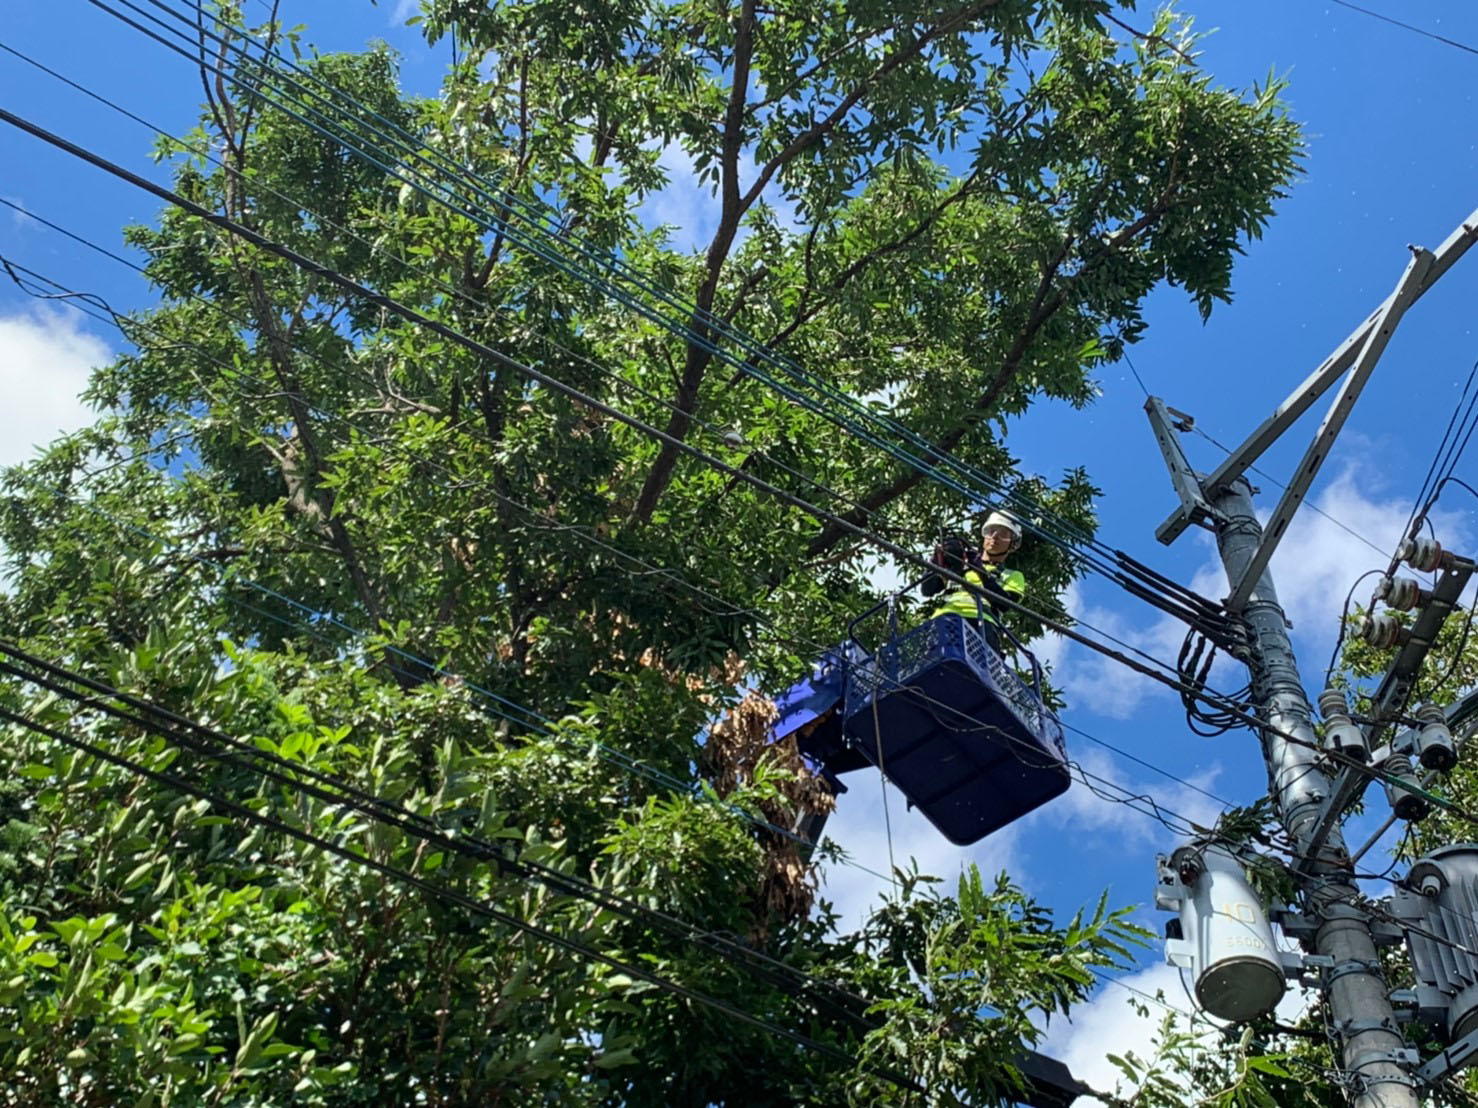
(1408, 27)
(377, 247)
(333, 789)
(1127, 564)
(412, 315)
(1346, 528)
(478, 907)
(1344, 615)
(1200, 604)
(1155, 811)
(415, 316)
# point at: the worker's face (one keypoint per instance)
(996, 542)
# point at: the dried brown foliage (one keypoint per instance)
(738, 745)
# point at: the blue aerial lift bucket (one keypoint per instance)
(940, 713)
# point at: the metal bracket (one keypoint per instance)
(1377, 335)
(1405, 1057)
(1370, 968)
(1455, 1057)
(1186, 481)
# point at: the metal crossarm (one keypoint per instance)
(1317, 383)
(1376, 337)
(1182, 476)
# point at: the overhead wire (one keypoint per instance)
(1134, 588)
(544, 378)
(334, 789)
(296, 776)
(1103, 787)
(1130, 574)
(409, 314)
(1408, 27)
(379, 247)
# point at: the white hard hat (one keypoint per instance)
(1002, 519)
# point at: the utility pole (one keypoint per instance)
(1370, 1044)
(1217, 935)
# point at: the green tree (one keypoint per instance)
(298, 516)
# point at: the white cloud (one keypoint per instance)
(689, 207)
(1104, 813)
(1318, 561)
(404, 9)
(18, 211)
(1118, 1021)
(860, 828)
(1313, 569)
(1089, 817)
(45, 360)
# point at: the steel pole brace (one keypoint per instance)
(1454, 1058)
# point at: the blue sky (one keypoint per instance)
(1391, 162)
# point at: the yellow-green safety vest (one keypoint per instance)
(961, 602)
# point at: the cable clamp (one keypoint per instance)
(1347, 1028)
(1405, 1057)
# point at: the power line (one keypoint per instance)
(334, 789)
(412, 315)
(1191, 608)
(436, 327)
(479, 907)
(1149, 585)
(1408, 26)
(1102, 787)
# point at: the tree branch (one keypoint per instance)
(700, 323)
(824, 127)
(304, 486)
(735, 204)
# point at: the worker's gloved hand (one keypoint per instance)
(952, 553)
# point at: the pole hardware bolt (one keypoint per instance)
(1341, 736)
(1402, 593)
(1424, 554)
(1433, 740)
(1381, 629)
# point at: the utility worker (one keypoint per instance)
(987, 576)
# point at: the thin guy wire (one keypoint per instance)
(1408, 27)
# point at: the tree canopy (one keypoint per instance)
(365, 547)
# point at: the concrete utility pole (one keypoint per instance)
(1378, 1064)
(1371, 1047)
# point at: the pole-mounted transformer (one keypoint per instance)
(1223, 936)
(1438, 904)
